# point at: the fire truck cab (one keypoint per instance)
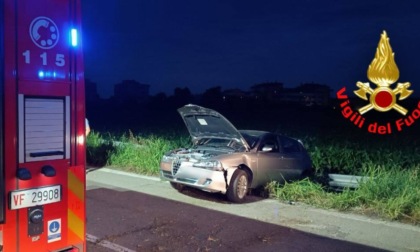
(42, 129)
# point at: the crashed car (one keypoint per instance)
(225, 160)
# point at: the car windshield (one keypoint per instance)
(220, 143)
(214, 142)
(251, 137)
(251, 140)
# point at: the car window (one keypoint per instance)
(290, 145)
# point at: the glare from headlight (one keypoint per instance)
(166, 158)
(209, 164)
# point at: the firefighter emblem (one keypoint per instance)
(383, 71)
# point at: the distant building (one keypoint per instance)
(308, 94)
(314, 94)
(131, 90)
(269, 91)
(235, 98)
(234, 94)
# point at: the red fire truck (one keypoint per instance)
(42, 129)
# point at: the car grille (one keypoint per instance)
(175, 166)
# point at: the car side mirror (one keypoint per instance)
(267, 149)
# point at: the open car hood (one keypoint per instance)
(207, 123)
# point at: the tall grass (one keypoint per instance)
(140, 154)
(337, 154)
(391, 194)
(99, 148)
(394, 193)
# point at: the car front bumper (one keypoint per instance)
(200, 178)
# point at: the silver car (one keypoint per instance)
(226, 160)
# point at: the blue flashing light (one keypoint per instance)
(49, 75)
(74, 37)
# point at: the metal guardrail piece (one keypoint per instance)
(345, 181)
(118, 143)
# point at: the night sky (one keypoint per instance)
(201, 44)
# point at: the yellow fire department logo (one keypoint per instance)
(383, 71)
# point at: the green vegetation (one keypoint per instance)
(142, 154)
(391, 191)
(138, 154)
(393, 195)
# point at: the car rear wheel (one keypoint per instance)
(177, 186)
(306, 174)
(238, 186)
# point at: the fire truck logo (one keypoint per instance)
(383, 71)
(44, 32)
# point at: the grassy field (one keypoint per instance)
(391, 163)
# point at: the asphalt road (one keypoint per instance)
(129, 213)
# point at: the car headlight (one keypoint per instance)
(209, 164)
(166, 159)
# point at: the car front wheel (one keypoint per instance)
(238, 186)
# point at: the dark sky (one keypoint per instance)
(201, 44)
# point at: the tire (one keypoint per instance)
(177, 186)
(238, 186)
(306, 174)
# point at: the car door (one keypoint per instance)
(269, 160)
(293, 158)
